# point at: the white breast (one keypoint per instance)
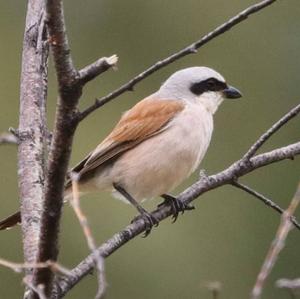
(161, 163)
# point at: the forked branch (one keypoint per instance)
(204, 184)
(70, 84)
(224, 177)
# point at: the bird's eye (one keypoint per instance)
(211, 84)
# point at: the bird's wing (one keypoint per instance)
(146, 119)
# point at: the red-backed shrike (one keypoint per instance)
(157, 144)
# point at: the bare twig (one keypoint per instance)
(8, 138)
(20, 267)
(99, 260)
(191, 49)
(37, 289)
(281, 122)
(265, 200)
(276, 246)
(224, 177)
(288, 283)
(93, 70)
(291, 285)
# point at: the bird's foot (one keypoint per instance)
(176, 205)
(149, 220)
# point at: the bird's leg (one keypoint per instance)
(150, 220)
(176, 205)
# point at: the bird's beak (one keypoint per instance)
(231, 93)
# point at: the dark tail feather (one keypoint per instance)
(10, 221)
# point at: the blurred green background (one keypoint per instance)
(226, 238)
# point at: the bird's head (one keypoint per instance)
(200, 85)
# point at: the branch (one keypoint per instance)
(289, 284)
(265, 200)
(280, 123)
(98, 259)
(70, 83)
(64, 67)
(60, 149)
(39, 290)
(19, 267)
(191, 49)
(8, 138)
(32, 129)
(237, 169)
(276, 246)
(93, 70)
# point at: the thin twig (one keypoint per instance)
(99, 260)
(96, 68)
(276, 246)
(191, 49)
(38, 289)
(265, 200)
(288, 283)
(8, 138)
(263, 138)
(291, 285)
(138, 226)
(20, 267)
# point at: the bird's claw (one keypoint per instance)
(176, 205)
(149, 220)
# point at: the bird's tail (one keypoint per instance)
(10, 221)
(15, 218)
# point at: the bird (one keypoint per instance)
(156, 145)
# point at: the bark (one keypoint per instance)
(32, 129)
(69, 92)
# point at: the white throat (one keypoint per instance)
(211, 101)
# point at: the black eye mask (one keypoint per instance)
(211, 84)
